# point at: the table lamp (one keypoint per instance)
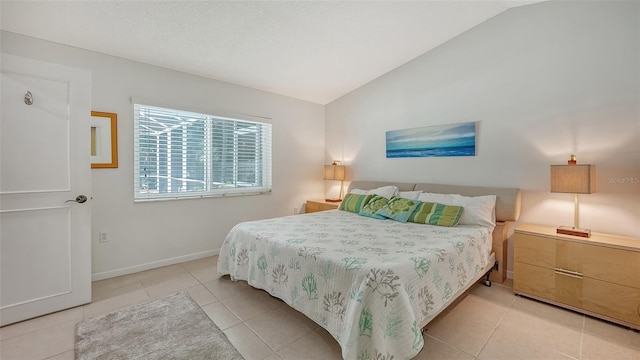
(335, 171)
(576, 179)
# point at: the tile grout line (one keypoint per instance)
(144, 288)
(584, 322)
(447, 344)
(496, 327)
(259, 337)
(242, 322)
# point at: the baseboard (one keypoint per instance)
(509, 274)
(152, 265)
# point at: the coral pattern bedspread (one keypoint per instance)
(369, 282)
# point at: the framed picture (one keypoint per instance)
(104, 140)
(429, 141)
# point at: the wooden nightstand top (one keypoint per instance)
(323, 201)
(613, 241)
(320, 205)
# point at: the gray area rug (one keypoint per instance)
(173, 327)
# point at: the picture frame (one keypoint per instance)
(104, 140)
(432, 141)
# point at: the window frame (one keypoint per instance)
(263, 167)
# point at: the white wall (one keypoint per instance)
(145, 235)
(543, 81)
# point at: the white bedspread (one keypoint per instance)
(369, 282)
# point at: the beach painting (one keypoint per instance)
(429, 141)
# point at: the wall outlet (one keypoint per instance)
(103, 236)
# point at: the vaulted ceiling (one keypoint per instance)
(310, 50)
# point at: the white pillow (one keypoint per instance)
(411, 195)
(478, 210)
(359, 192)
(384, 191)
(445, 199)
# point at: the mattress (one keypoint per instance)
(370, 283)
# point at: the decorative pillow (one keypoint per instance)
(375, 204)
(384, 191)
(399, 209)
(437, 214)
(478, 210)
(411, 195)
(354, 202)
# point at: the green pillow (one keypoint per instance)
(436, 214)
(375, 204)
(354, 202)
(399, 209)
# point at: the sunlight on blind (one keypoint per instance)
(185, 154)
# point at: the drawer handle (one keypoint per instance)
(559, 272)
(568, 272)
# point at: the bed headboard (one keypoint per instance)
(507, 199)
(367, 185)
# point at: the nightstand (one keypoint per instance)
(320, 205)
(598, 276)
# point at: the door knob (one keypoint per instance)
(79, 199)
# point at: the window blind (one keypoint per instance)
(182, 154)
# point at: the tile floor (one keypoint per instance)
(489, 323)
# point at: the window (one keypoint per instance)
(180, 154)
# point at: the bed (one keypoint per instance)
(373, 284)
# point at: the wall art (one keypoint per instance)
(439, 140)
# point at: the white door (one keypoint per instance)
(45, 241)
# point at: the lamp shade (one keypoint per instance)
(334, 172)
(576, 179)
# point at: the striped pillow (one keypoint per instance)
(436, 214)
(354, 202)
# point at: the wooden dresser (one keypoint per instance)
(598, 276)
(320, 205)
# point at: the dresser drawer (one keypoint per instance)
(612, 300)
(548, 284)
(611, 265)
(535, 250)
(534, 280)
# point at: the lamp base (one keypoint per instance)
(568, 230)
(333, 200)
